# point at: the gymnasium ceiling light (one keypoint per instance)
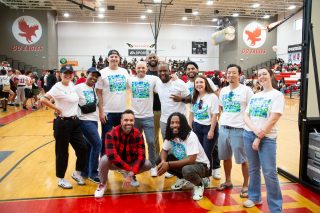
(266, 16)
(256, 5)
(209, 3)
(291, 7)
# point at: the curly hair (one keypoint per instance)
(184, 129)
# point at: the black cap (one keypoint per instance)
(113, 52)
(66, 68)
(92, 70)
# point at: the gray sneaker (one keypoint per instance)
(78, 178)
(134, 182)
(63, 183)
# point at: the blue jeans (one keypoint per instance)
(147, 126)
(210, 146)
(265, 157)
(90, 132)
(113, 120)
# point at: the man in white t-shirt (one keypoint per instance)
(233, 102)
(112, 94)
(187, 159)
(152, 62)
(142, 87)
(168, 89)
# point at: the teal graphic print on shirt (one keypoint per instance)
(259, 107)
(231, 102)
(140, 89)
(178, 150)
(191, 91)
(117, 83)
(200, 114)
(88, 96)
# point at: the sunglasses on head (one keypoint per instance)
(200, 104)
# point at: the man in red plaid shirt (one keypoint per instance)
(124, 151)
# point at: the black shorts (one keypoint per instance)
(4, 94)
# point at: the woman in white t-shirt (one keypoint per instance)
(262, 113)
(89, 123)
(203, 119)
(66, 127)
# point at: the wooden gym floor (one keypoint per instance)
(28, 182)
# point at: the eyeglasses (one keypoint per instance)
(200, 104)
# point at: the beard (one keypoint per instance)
(153, 63)
(165, 79)
(191, 75)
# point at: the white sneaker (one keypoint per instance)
(100, 190)
(153, 172)
(168, 175)
(216, 174)
(77, 177)
(249, 203)
(134, 182)
(179, 184)
(198, 192)
(206, 182)
(63, 183)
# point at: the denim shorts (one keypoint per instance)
(230, 142)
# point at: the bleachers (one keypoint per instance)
(290, 78)
(19, 65)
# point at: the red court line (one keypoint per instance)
(14, 116)
(180, 201)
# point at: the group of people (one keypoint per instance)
(193, 144)
(17, 87)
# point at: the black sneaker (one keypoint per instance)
(94, 180)
(11, 104)
(25, 107)
(4, 110)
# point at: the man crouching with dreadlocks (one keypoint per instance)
(187, 159)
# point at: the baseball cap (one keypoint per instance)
(66, 68)
(92, 70)
(113, 52)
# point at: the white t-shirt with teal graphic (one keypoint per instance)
(234, 103)
(142, 95)
(182, 149)
(113, 84)
(190, 86)
(168, 106)
(66, 98)
(86, 96)
(261, 106)
(210, 106)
